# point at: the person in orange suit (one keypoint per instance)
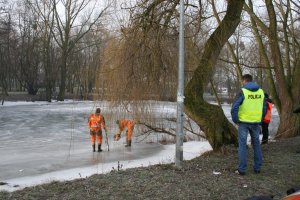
(125, 123)
(96, 123)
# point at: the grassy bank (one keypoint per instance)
(207, 177)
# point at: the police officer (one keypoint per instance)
(247, 112)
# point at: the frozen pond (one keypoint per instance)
(41, 138)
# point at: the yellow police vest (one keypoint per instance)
(252, 107)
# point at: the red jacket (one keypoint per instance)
(268, 115)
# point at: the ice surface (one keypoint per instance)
(42, 142)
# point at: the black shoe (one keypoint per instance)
(94, 148)
(256, 171)
(239, 173)
(99, 148)
(128, 144)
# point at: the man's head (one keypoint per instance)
(246, 78)
(98, 110)
(117, 122)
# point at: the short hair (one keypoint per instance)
(117, 122)
(247, 78)
(98, 110)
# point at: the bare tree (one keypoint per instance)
(45, 23)
(87, 59)
(5, 31)
(64, 33)
(279, 47)
(28, 50)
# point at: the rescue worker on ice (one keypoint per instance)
(123, 123)
(96, 123)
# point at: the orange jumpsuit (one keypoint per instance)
(123, 123)
(96, 122)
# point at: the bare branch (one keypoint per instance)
(245, 65)
(263, 27)
(157, 129)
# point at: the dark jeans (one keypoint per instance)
(265, 133)
(254, 130)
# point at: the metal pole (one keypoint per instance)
(180, 91)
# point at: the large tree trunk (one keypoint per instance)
(288, 95)
(211, 118)
(290, 122)
(289, 125)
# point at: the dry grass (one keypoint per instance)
(281, 170)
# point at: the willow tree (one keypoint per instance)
(141, 63)
(279, 50)
(152, 50)
(142, 59)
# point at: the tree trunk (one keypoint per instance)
(289, 122)
(31, 88)
(48, 76)
(63, 74)
(49, 86)
(4, 92)
(211, 118)
(48, 94)
(289, 125)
